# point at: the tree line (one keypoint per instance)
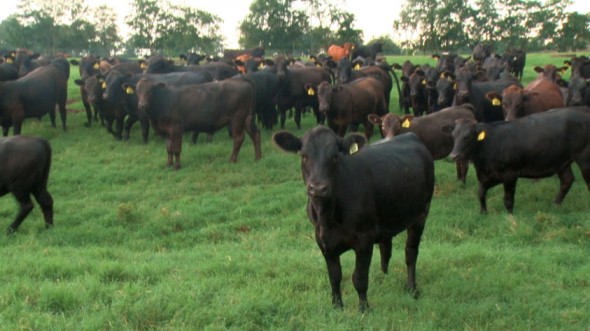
(291, 26)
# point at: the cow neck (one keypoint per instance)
(323, 211)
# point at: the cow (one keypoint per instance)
(356, 200)
(445, 90)
(337, 52)
(534, 146)
(24, 164)
(481, 51)
(88, 66)
(160, 65)
(124, 102)
(191, 58)
(470, 91)
(367, 51)
(8, 71)
(431, 129)
(580, 65)
(267, 86)
(204, 107)
(231, 54)
(26, 61)
(348, 105)
(293, 94)
(515, 59)
(407, 69)
(35, 95)
(539, 95)
(493, 67)
(418, 92)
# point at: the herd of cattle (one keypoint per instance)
(472, 109)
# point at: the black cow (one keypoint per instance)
(293, 93)
(89, 66)
(348, 105)
(481, 51)
(24, 165)
(515, 60)
(356, 201)
(367, 51)
(267, 86)
(8, 71)
(407, 69)
(205, 107)
(580, 66)
(418, 92)
(231, 54)
(470, 91)
(578, 91)
(160, 65)
(27, 61)
(534, 146)
(445, 90)
(192, 58)
(35, 95)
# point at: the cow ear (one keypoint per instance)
(72, 61)
(352, 143)
(79, 82)
(567, 63)
(375, 119)
(287, 142)
(396, 66)
(561, 82)
(539, 69)
(493, 96)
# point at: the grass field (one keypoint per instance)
(215, 246)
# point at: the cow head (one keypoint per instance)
(445, 86)
(463, 78)
(144, 90)
(325, 92)
(93, 86)
(512, 101)
(112, 87)
(390, 123)
(467, 133)
(321, 152)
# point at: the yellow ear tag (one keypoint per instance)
(143, 65)
(129, 90)
(442, 75)
(455, 86)
(104, 85)
(357, 66)
(318, 65)
(424, 82)
(310, 91)
(9, 60)
(496, 102)
(96, 66)
(406, 123)
(481, 136)
(353, 148)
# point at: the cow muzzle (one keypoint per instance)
(318, 190)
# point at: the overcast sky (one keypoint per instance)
(374, 17)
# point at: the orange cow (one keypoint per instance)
(339, 52)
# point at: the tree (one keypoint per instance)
(106, 39)
(575, 34)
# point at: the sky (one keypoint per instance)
(373, 17)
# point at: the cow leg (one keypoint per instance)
(462, 168)
(484, 186)
(87, 107)
(145, 129)
(254, 134)
(46, 202)
(238, 137)
(360, 277)
(17, 127)
(174, 148)
(283, 116)
(52, 116)
(335, 276)
(566, 179)
(118, 127)
(298, 111)
(385, 252)
(128, 124)
(412, 248)
(61, 103)
(509, 189)
(26, 205)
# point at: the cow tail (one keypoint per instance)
(46, 162)
(399, 91)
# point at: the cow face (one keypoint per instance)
(112, 87)
(344, 71)
(321, 151)
(578, 87)
(466, 135)
(390, 123)
(325, 92)
(464, 79)
(512, 100)
(445, 88)
(144, 90)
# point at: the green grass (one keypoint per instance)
(219, 246)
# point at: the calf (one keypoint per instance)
(535, 146)
(350, 104)
(431, 129)
(89, 66)
(418, 96)
(24, 165)
(355, 201)
(206, 107)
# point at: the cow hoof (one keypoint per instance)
(414, 292)
(10, 231)
(48, 226)
(87, 125)
(364, 307)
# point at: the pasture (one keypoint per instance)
(218, 246)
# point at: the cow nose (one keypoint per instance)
(318, 190)
(454, 156)
(441, 101)
(463, 93)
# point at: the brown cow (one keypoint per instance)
(540, 95)
(338, 52)
(205, 107)
(350, 104)
(432, 129)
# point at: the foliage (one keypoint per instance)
(455, 25)
(283, 26)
